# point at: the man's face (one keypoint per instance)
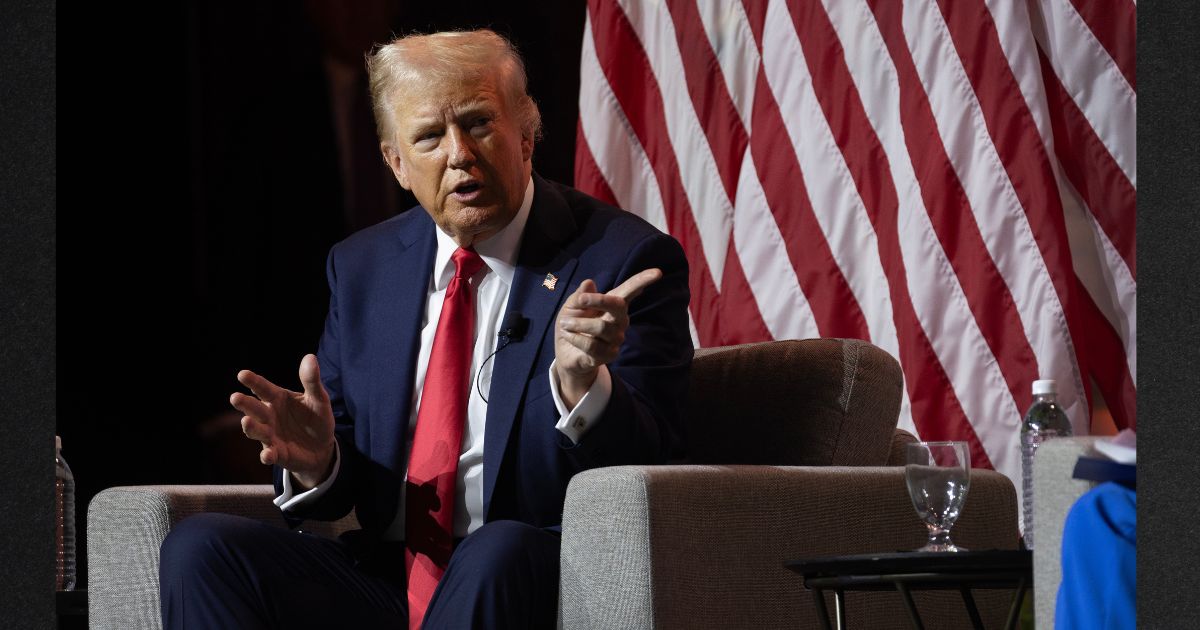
(458, 147)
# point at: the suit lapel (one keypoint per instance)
(404, 284)
(539, 287)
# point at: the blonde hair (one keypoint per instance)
(409, 60)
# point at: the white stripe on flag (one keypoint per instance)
(834, 197)
(763, 253)
(937, 297)
(1102, 272)
(728, 32)
(1092, 79)
(614, 146)
(698, 172)
(1096, 261)
(996, 209)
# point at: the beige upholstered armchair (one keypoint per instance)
(126, 527)
(792, 453)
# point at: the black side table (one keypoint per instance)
(917, 571)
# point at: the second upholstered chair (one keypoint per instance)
(793, 453)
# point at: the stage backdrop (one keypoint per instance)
(953, 180)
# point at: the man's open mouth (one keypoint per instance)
(468, 188)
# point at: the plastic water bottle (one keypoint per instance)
(1044, 420)
(64, 526)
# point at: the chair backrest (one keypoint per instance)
(900, 440)
(811, 402)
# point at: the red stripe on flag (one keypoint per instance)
(588, 176)
(749, 326)
(833, 304)
(937, 411)
(728, 141)
(1015, 136)
(629, 73)
(987, 294)
(710, 96)
(633, 83)
(756, 15)
(1091, 169)
(1114, 23)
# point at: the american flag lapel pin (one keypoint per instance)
(550, 281)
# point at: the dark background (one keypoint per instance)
(227, 148)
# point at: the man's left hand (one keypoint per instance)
(589, 332)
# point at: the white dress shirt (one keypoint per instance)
(491, 286)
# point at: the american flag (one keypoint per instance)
(953, 180)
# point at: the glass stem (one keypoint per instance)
(939, 537)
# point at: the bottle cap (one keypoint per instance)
(1044, 386)
(57, 443)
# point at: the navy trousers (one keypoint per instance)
(223, 571)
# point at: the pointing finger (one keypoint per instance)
(577, 301)
(634, 286)
(594, 305)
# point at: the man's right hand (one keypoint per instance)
(295, 428)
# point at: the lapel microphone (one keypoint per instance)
(513, 328)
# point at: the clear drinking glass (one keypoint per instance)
(938, 476)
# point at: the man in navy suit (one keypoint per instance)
(579, 359)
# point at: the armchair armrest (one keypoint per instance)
(126, 527)
(704, 546)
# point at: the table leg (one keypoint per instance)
(1014, 612)
(972, 610)
(911, 606)
(839, 601)
(822, 611)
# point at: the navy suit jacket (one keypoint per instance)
(379, 279)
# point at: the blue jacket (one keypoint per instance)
(378, 280)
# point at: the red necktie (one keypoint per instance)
(433, 465)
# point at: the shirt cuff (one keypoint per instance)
(575, 423)
(289, 500)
